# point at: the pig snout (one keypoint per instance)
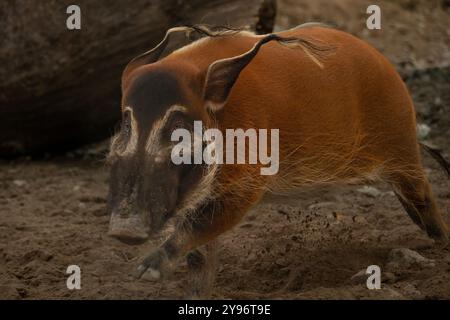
(129, 230)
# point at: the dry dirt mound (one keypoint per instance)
(304, 246)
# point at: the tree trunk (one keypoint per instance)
(61, 88)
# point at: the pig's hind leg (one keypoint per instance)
(414, 193)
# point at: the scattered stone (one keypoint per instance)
(20, 183)
(389, 193)
(404, 258)
(423, 131)
(438, 101)
(370, 191)
(81, 205)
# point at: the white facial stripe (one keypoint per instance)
(132, 143)
(205, 188)
(153, 145)
(202, 193)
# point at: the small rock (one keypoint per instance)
(437, 101)
(20, 183)
(81, 205)
(404, 258)
(423, 131)
(370, 191)
(389, 193)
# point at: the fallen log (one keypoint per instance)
(59, 88)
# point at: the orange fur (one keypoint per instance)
(342, 111)
(336, 123)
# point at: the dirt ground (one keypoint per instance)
(306, 245)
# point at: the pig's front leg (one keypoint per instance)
(193, 231)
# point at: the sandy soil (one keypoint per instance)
(302, 246)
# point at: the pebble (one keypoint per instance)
(370, 191)
(20, 183)
(403, 258)
(423, 131)
(82, 205)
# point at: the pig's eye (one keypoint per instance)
(177, 124)
(177, 120)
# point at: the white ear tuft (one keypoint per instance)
(214, 106)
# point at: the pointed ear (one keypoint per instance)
(191, 33)
(154, 54)
(222, 74)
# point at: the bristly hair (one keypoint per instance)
(317, 52)
(214, 31)
(311, 47)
